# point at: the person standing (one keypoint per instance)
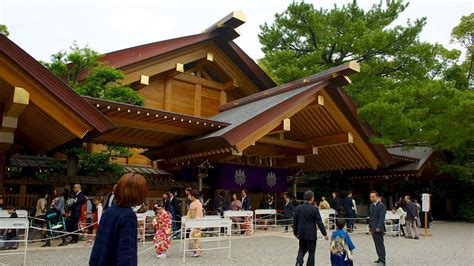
(349, 211)
(247, 225)
(76, 208)
(110, 199)
(412, 219)
(235, 205)
(245, 201)
(175, 210)
(162, 224)
(324, 204)
(304, 228)
(116, 240)
(377, 225)
(336, 204)
(41, 205)
(398, 210)
(220, 204)
(195, 212)
(289, 210)
(96, 219)
(166, 202)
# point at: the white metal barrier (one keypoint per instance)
(239, 214)
(269, 212)
(389, 222)
(326, 217)
(207, 223)
(20, 213)
(15, 224)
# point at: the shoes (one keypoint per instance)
(88, 243)
(409, 237)
(47, 244)
(195, 255)
(379, 261)
(161, 256)
(417, 238)
(64, 243)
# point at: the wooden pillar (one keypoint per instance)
(200, 183)
(2, 171)
(197, 99)
(168, 94)
(294, 189)
(21, 203)
(223, 97)
(72, 165)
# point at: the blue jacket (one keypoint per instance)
(116, 241)
(377, 217)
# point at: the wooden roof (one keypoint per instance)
(320, 118)
(148, 128)
(52, 114)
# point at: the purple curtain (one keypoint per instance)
(265, 179)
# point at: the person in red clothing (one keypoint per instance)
(97, 215)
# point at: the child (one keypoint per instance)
(163, 226)
(341, 245)
(97, 215)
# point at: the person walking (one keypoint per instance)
(377, 225)
(412, 219)
(195, 212)
(304, 228)
(289, 210)
(349, 211)
(163, 228)
(76, 209)
(116, 239)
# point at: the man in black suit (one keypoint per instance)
(110, 199)
(304, 227)
(76, 208)
(348, 210)
(289, 211)
(377, 225)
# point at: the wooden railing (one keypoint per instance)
(15, 200)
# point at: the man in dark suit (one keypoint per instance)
(349, 211)
(289, 210)
(245, 201)
(76, 208)
(377, 225)
(175, 210)
(304, 227)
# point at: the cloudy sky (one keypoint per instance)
(45, 27)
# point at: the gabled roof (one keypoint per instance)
(250, 114)
(56, 114)
(222, 38)
(421, 154)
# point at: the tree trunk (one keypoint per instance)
(72, 165)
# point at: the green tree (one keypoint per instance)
(407, 90)
(102, 81)
(463, 33)
(4, 30)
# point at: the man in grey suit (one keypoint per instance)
(304, 227)
(377, 225)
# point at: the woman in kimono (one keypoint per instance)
(163, 227)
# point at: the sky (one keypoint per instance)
(48, 26)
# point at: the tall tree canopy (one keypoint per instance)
(102, 81)
(408, 90)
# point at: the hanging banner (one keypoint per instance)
(265, 179)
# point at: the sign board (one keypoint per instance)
(425, 202)
(326, 212)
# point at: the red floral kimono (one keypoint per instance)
(162, 225)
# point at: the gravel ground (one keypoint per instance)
(451, 244)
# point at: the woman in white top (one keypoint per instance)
(399, 211)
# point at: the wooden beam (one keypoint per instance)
(7, 137)
(285, 143)
(223, 98)
(197, 99)
(210, 57)
(198, 80)
(338, 139)
(291, 161)
(127, 141)
(13, 108)
(143, 82)
(231, 84)
(285, 126)
(167, 94)
(174, 63)
(123, 122)
(232, 20)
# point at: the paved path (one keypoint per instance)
(452, 244)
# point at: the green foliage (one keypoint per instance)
(100, 163)
(102, 81)
(4, 30)
(466, 209)
(407, 90)
(464, 35)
